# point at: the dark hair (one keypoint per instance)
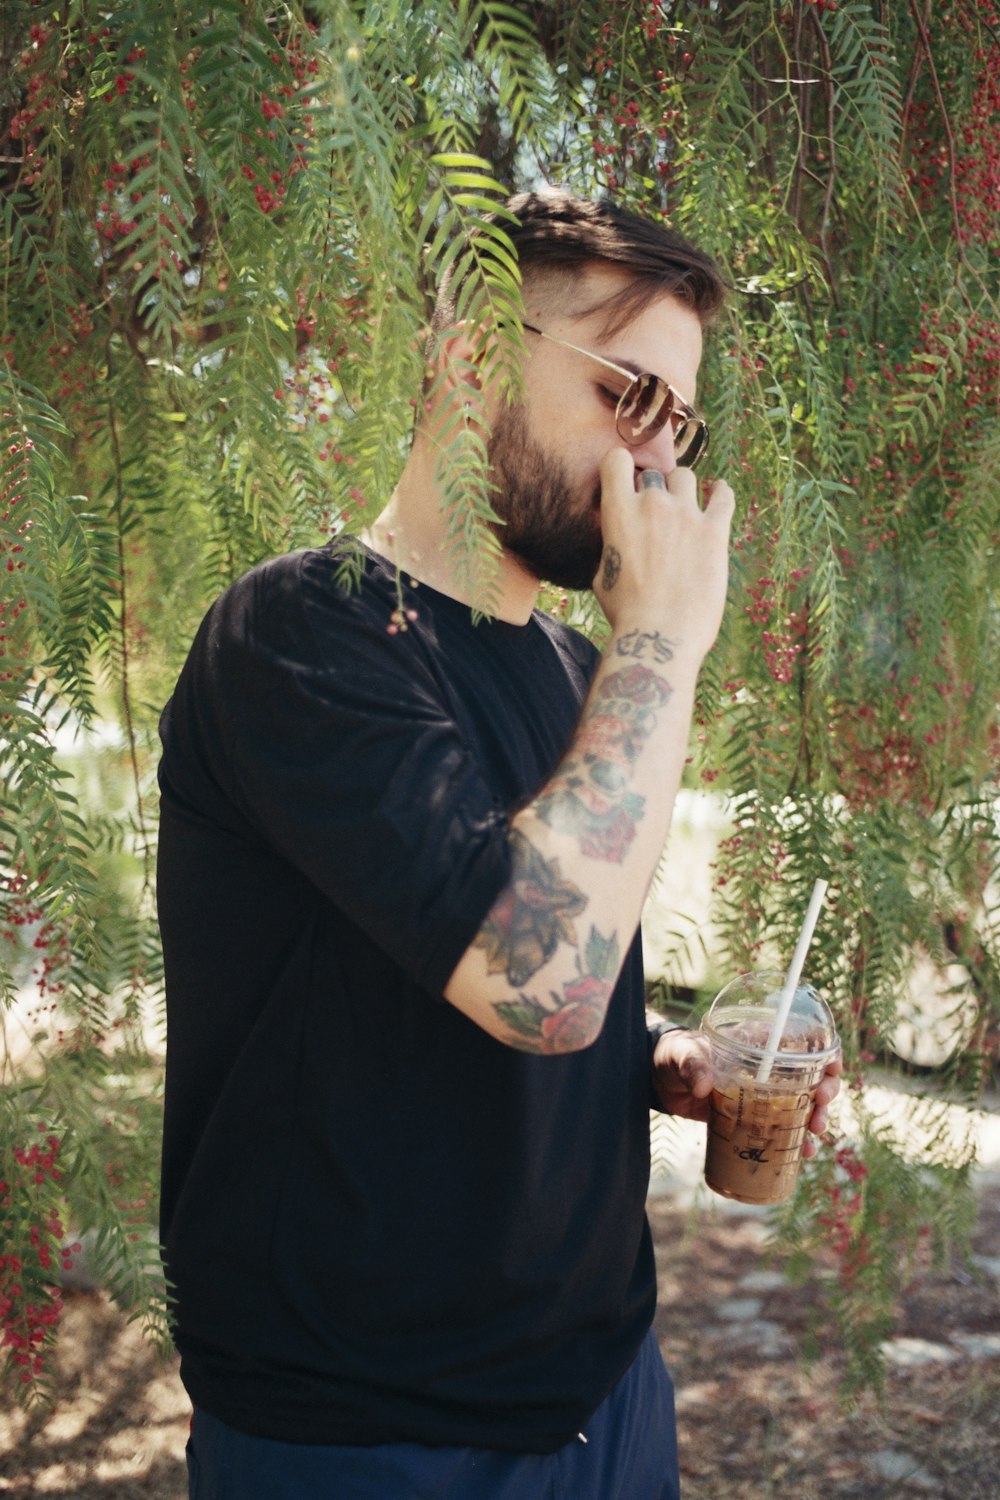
(558, 232)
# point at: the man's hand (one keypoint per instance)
(683, 1079)
(682, 1074)
(666, 558)
(829, 1088)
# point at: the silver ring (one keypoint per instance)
(652, 479)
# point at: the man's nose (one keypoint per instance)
(658, 452)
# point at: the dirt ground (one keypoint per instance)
(752, 1427)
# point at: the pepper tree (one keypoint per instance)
(223, 226)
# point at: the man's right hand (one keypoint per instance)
(665, 561)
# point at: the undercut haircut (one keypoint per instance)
(557, 233)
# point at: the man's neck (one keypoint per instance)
(412, 534)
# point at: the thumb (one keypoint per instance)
(696, 1070)
(688, 1054)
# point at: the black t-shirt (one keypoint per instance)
(382, 1224)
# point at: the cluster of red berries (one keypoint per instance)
(650, 21)
(842, 1221)
(111, 218)
(755, 847)
(400, 620)
(30, 123)
(938, 149)
(53, 948)
(977, 163)
(979, 338)
(20, 912)
(312, 389)
(49, 942)
(287, 112)
(623, 136)
(884, 766)
(30, 1306)
(785, 636)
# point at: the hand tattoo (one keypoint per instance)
(612, 567)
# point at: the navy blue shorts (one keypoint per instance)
(630, 1454)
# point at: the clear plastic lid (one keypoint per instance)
(743, 1012)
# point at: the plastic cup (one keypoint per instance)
(756, 1130)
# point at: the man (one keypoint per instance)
(401, 875)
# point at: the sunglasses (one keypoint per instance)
(646, 405)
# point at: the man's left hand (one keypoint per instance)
(682, 1074)
(683, 1079)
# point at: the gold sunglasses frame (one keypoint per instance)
(678, 405)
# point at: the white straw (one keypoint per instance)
(792, 980)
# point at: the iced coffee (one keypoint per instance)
(757, 1123)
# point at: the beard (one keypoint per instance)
(545, 524)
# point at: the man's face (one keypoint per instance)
(546, 451)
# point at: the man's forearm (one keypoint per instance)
(541, 970)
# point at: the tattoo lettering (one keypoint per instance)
(612, 567)
(574, 1020)
(637, 643)
(589, 797)
(531, 916)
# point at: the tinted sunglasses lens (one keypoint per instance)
(644, 409)
(690, 443)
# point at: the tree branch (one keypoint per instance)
(829, 94)
(925, 41)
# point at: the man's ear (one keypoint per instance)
(459, 358)
(461, 373)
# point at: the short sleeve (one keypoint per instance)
(335, 742)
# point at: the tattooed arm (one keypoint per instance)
(540, 972)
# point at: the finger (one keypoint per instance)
(699, 1077)
(683, 1062)
(695, 1068)
(617, 470)
(827, 1090)
(652, 479)
(720, 500)
(683, 485)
